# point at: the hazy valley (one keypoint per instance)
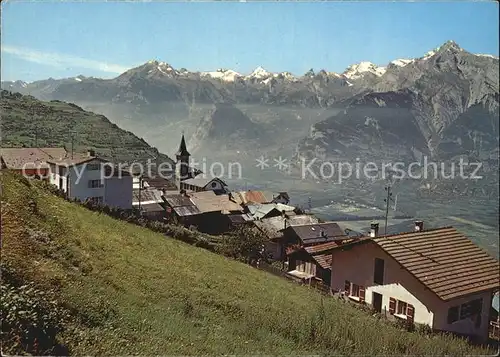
(443, 105)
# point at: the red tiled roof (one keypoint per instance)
(324, 247)
(77, 159)
(246, 197)
(324, 260)
(17, 158)
(444, 260)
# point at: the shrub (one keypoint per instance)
(31, 320)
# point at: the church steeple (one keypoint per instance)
(182, 148)
(182, 164)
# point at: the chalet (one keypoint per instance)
(435, 277)
(199, 184)
(273, 227)
(90, 177)
(30, 162)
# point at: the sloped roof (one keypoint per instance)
(147, 195)
(152, 207)
(208, 201)
(178, 200)
(326, 247)
(17, 158)
(182, 205)
(246, 197)
(259, 211)
(324, 260)
(202, 181)
(272, 226)
(318, 232)
(77, 159)
(160, 183)
(444, 260)
(183, 211)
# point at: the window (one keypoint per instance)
(453, 314)
(354, 290)
(95, 183)
(401, 307)
(61, 170)
(299, 265)
(305, 267)
(378, 276)
(214, 184)
(93, 167)
(471, 308)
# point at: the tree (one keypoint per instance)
(245, 242)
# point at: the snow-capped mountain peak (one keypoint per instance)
(486, 55)
(401, 62)
(259, 73)
(227, 75)
(360, 69)
(448, 45)
(161, 67)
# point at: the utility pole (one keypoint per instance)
(36, 125)
(140, 189)
(387, 200)
(72, 134)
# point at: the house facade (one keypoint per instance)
(86, 177)
(436, 277)
(310, 266)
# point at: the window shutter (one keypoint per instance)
(362, 294)
(347, 287)
(410, 313)
(392, 306)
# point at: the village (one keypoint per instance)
(436, 277)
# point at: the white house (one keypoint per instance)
(89, 177)
(433, 277)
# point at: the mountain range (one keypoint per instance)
(443, 104)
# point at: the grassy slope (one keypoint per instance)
(21, 115)
(132, 291)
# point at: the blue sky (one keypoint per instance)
(51, 39)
